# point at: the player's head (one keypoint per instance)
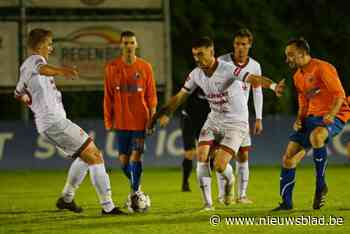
(128, 43)
(242, 42)
(203, 52)
(40, 41)
(297, 52)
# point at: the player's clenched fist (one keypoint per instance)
(280, 88)
(297, 125)
(164, 120)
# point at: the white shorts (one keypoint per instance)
(233, 137)
(68, 137)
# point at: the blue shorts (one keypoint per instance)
(302, 136)
(128, 141)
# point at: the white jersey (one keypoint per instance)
(253, 67)
(226, 97)
(45, 99)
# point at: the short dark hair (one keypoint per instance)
(127, 33)
(300, 43)
(37, 36)
(244, 32)
(202, 42)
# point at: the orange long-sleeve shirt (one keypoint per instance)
(318, 85)
(129, 94)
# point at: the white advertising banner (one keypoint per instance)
(130, 4)
(8, 53)
(89, 45)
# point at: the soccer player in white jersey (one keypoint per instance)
(242, 42)
(227, 123)
(36, 88)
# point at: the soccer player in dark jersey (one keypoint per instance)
(193, 116)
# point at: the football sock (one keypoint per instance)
(320, 159)
(287, 182)
(186, 170)
(136, 172)
(204, 180)
(76, 175)
(221, 184)
(242, 170)
(228, 176)
(127, 171)
(100, 181)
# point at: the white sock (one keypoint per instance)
(75, 177)
(204, 180)
(227, 174)
(100, 180)
(221, 184)
(243, 178)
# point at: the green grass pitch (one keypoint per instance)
(27, 201)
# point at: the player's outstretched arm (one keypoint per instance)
(267, 83)
(67, 72)
(258, 106)
(170, 107)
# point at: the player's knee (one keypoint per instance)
(97, 156)
(202, 158)
(136, 156)
(318, 137)
(202, 154)
(220, 165)
(93, 156)
(287, 161)
(242, 156)
(124, 159)
(189, 154)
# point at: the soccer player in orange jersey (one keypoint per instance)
(348, 144)
(323, 111)
(129, 103)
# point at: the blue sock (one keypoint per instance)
(127, 171)
(287, 182)
(136, 171)
(320, 159)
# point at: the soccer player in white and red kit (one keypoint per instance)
(36, 88)
(240, 59)
(227, 123)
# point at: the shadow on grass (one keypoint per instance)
(20, 212)
(38, 216)
(92, 219)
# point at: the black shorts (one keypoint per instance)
(191, 127)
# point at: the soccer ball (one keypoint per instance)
(138, 202)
